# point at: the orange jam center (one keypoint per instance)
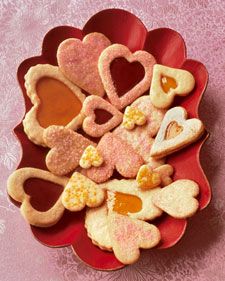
(173, 130)
(59, 105)
(168, 83)
(126, 203)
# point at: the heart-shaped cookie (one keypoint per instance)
(66, 150)
(56, 101)
(91, 157)
(78, 61)
(133, 116)
(176, 132)
(168, 82)
(141, 137)
(81, 191)
(118, 155)
(178, 199)
(15, 188)
(90, 126)
(129, 235)
(117, 51)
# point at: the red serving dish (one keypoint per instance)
(168, 47)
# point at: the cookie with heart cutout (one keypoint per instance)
(141, 137)
(96, 224)
(176, 132)
(15, 188)
(126, 198)
(128, 235)
(178, 199)
(80, 191)
(78, 61)
(90, 126)
(66, 150)
(56, 101)
(120, 51)
(168, 82)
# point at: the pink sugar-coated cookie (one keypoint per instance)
(118, 155)
(66, 150)
(78, 61)
(141, 137)
(128, 235)
(117, 51)
(93, 129)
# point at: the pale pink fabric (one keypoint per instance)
(200, 255)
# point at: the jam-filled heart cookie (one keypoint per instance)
(56, 101)
(78, 61)
(176, 132)
(168, 82)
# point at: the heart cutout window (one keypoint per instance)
(168, 83)
(173, 130)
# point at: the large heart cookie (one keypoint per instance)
(90, 126)
(66, 150)
(118, 155)
(176, 132)
(15, 188)
(128, 235)
(81, 191)
(168, 82)
(56, 101)
(78, 61)
(178, 199)
(117, 51)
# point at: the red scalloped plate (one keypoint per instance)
(168, 48)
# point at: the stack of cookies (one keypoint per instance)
(115, 166)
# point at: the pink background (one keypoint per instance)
(200, 255)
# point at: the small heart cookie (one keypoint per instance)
(81, 191)
(117, 51)
(147, 178)
(15, 188)
(178, 199)
(90, 157)
(78, 61)
(118, 155)
(129, 235)
(133, 116)
(176, 132)
(93, 129)
(168, 82)
(66, 150)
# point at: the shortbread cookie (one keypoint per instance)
(176, 132)
(117, 51)
(90, 126)
(128, 235)
(78, 61)
(132, 117)
(178, 199)
(96, 223)
(168, 82)
(66, 150)
(91, 157)
(56, 101)
(148, 178)
(118, 155)
(15, 187)
(141, 137)
(81, 191)
(126, 198)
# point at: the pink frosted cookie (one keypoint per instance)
(78, 61)
(118, 155)
(117, 51)
(93, 129)
(141, 137)
(67, 148)
(128, 235)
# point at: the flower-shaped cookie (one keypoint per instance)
(119, 27)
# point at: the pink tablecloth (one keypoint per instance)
(200, 255)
